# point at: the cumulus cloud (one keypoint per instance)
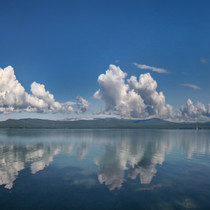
(194, 112)
(191, 86)
(14, 98)
(155, 69)
(82, 104)
(131, 98)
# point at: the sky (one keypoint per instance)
(88, 59)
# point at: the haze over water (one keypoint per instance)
(104, 169)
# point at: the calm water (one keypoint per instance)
(104, 169)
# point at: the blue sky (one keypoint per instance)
(66, 45)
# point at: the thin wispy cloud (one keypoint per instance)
(195, 87)
(203, 60)
(155, 69)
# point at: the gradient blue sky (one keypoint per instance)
(66, 45)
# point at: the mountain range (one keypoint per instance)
(107, 123)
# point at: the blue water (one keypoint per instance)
(104, 169)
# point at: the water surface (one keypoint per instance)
(104, 169)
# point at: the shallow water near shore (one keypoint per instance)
(104, 169)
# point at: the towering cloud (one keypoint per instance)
(191, 112)
(82, 105)
(14, 98)
(131, 98)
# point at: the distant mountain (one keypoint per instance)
(14, 124)
(108, 123)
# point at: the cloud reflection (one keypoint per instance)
(13, 158)
(136, 156)
(119, 154)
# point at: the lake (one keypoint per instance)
(104, 169)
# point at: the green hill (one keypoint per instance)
(14, 124)
(108, 123)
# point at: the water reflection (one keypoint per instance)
(193, 142)
(13, 158)
(136, 155)
(122, 154)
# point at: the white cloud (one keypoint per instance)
(155, 69)
(154, 101)
(113, 87)
(14, 98)
(203, 60)
(82, 105)
(191, 112)
(137, 99)
(191, 86)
